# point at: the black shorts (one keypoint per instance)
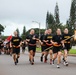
(43, 48)
(9, 48)
(5, 48)
(23, 48)
(16, 50)
(56, 49)
(0, 47)
(67, 47)
(33, 48)
(50, 47)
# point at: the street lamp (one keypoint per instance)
(39, 26)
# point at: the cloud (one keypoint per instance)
(17, 13)
(11, 27)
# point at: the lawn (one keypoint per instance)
(38, 49)
(72, 51)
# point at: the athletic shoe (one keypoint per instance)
(45, 61)
(50, 61)
(64, 63)
(67, 64)
(33, 60)
(53, 62)
(41, 59)
(17, 60)
(58, 66)
(32, 63)
(30, 60)
(63, 60)
(15, 63)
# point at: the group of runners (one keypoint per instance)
(51, 44)
(5, 47)
(54, 45)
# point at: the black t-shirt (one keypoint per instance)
(57, 38)
(1, 43)
(48, 37)
(41, 38)
(67, 36)
(30, 37)
(16, 41)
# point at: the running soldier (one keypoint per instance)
(1, 46)
(15, 44)
(57, 42)
(43, 45)
(47, 40)
(31, 39)
(67, 46)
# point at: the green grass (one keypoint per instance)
(38, 49)
(72, 51)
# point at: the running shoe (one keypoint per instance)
(17, 60)
(63, 60)
(41, 59)
(58, 66)
(32, 63)
(67, 64)
(50, 61)
(15, 63)
(53, 62)
(45, 61)
(64, 63)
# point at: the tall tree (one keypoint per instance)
(24, 33)
(71, 23)
(47, 18)
(57, 20)
(1, 29)
(53, 21)
(18, 31)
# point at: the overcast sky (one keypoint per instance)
(18, 13)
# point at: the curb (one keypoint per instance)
(68, 54)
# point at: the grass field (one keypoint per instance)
(72, 51)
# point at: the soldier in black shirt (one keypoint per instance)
(66, 38)
(43, 45)
(57, 46)
(15, 44)
(1, 45)
(47, 40)
(32, 38)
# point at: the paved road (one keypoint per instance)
(7, 66)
